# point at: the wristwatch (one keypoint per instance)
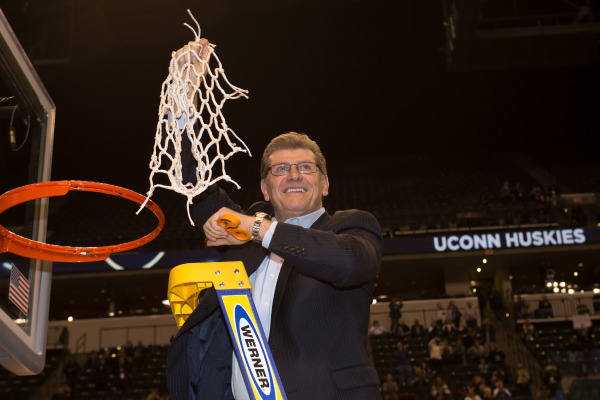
(258, 218)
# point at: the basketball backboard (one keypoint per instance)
(26, 136)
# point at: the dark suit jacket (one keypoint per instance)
(320, 312)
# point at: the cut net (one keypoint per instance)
(190, 119)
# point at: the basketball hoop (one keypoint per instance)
(13, 243)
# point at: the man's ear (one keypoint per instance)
(263, 189)
(325, 185)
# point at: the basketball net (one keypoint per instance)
(191, 108)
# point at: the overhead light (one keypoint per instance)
(575, 274)
(478, 269)
(70, 319)
(484, 261)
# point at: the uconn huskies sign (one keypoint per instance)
(470, 241)
(508, 240)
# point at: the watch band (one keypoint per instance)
(258, 218)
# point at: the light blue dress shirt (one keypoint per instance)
(264, 282)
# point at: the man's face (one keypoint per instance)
(294, 194)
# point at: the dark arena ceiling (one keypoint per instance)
(395, 92)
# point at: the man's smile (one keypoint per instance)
(294, 189)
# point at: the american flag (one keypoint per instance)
(18, 291)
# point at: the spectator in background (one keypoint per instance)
(395, 313)
(544, 309)
(390, 389)
(486, 393)
(471, 395)
(440, 315)
(469, 336)
(453, 314)
(448, 329)
(470, 314)
(460, 352)
(498, 375)
(377, 330)
(500, 392)
(421, 385)
(440, 390)
(436, 349)
(548, 274)
(497, 357)
(426, 370)
(447, 352)
(528, 330)
(523, 383)
(488, 334)
(402, 330)
(403, 364)
(478, 384)
(552, 380)
(417, 330)
(521, 308)
(475, 352)
(123, 373)
(483, 365)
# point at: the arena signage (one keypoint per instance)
(492, 240)
(507, 240)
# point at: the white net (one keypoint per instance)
(190, 119)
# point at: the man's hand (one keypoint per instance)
(195, 55)
(217, 235)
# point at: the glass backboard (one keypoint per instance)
(26, 136)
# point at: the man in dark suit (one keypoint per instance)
(313, 278)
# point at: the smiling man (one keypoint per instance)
(313, 278)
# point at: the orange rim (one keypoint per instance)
(13, 243)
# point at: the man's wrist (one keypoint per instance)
(261, 220)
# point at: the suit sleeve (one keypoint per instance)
(347, 253)
(209, 203)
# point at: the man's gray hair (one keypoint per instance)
(291, 141)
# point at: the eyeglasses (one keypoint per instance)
(302, 167)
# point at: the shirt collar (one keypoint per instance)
(307, 220)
